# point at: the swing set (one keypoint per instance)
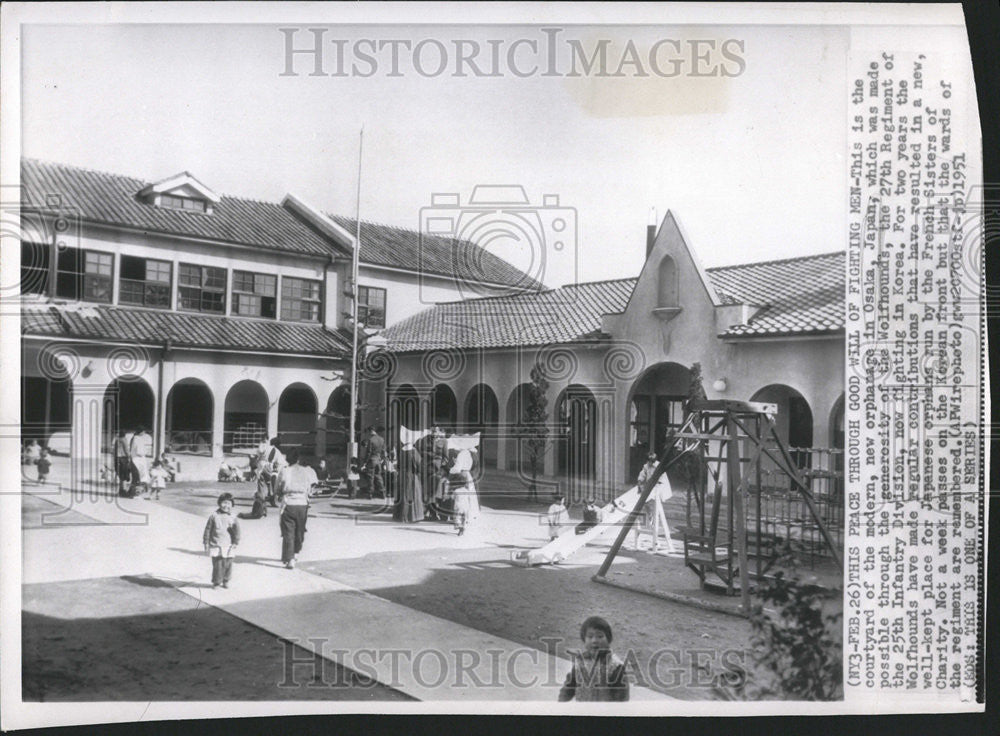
(727, 539)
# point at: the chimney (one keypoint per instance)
(651, 231)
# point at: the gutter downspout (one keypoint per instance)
(159, 439)
(352, 448)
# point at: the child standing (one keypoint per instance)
(353, 479)
(557, 516)
(44, 465)
(222, 535)
(157, 479)
(597, 674)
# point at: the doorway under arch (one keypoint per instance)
(128, 404)
(794, 421)
(517, 449)
(444, 408)
(297, 412)
(189, 417)
(482, 411)
(655, 407)
(576, 414)
(244, 423)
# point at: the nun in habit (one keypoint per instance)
(409, 494)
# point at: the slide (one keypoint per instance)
(567, 543)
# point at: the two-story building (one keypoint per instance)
(213, 321)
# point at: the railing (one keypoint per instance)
(244, 438)
(784, 513)
(190, 442)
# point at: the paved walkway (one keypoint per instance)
(419, 654)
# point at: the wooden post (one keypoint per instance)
(736, 499)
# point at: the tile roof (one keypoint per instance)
(802, 295)
(146, 326)
(111, 199)
(568, 314)
(384, 245)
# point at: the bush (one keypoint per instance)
(797, 640)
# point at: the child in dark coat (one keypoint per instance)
(222, 535)
(597, 674)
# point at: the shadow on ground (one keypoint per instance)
(163, 645)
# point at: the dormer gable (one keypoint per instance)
(180, 192)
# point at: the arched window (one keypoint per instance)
(667, 293)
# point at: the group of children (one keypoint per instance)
(597, 675)
(557, 516)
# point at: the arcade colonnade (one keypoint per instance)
(201, 407)
(603, 429)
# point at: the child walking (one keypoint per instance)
(597, 674)
(222, 535)
(44, 465)
(157, 479)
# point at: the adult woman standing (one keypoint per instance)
(139, 451)
(409, 492)
(295, 484)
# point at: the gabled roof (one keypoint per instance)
(568, 314)
(394, 247)
(154, 327)
(798, 296)
(184, 179)
(803, 295)
(113, 199)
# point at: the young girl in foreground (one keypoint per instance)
(597, 674)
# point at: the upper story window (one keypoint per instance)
(145, 282)
(300, 299)
(371, 306)
(255, 294)
(201, 288)
(180, 192)
(182, 203)
(84, 275)
(35, 268)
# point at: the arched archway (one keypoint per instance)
(297, 412)
(338, 419)
(837, 424)
(517, 406)
(404, 409)
(655, 407)
(576, 414)
(482, 411)
(444, 408)
(794, 421)
(128, 404)
(189, 417)
(46, 408)
(837, 444)
(244, 422)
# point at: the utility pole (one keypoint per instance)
(352, 445)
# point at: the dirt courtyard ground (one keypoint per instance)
(132, 639)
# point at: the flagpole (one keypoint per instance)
(352, 445)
